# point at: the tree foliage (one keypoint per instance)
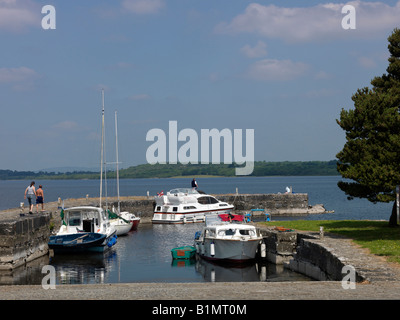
(261, 168)
(371, 154)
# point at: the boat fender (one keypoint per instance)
(112, 241)
(263, 250)
(212, 249)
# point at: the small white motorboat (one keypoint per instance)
(187, 205)
(227, 241)
(83, 229)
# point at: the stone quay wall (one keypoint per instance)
(23, 239)
(275, 204)
(305, 253)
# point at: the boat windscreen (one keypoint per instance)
(183, 190)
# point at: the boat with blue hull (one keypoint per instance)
(78, 242)
(83, 229)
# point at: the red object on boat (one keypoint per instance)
(231, 217)
(135, 224)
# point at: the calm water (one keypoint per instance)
(145, 255)
(320, 190)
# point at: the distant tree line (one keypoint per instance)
(261, 168)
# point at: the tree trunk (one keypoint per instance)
(393, 217)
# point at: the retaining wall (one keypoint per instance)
(275, 204)
(23, 240)
(301, 253)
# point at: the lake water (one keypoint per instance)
(322, 190)
(145, 255)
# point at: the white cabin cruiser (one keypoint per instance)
(81, 223)
(187, 205)
(227, 241)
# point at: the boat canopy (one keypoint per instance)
(183, 190)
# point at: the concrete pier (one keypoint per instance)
(23, 239)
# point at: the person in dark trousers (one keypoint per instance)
(39, 198)
(194, 184)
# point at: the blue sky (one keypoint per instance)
(282, 68)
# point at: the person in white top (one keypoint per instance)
(30, 194)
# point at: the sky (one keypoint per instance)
(284, 69)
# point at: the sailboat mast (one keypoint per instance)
(102, 146)
(116, 151)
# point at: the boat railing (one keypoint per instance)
(182, 191)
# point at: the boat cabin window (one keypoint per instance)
(207, 200)
(247, 232)
(175, 209)
(213, 200)
(202, 200)
(189, 207)
(230, 232)
(74, 219)
(158, 208)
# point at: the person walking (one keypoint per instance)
(30, 194)
(39, 198)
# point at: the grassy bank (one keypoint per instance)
(376, 236)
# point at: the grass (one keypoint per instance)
(376, 236)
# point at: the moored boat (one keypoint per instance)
(83, 229)
(185, 252)
(122, 221)
(187, 205)
(229, 242)
(74, 243)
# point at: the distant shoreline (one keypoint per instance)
(261, 169)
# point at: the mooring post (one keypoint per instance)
(321, 232)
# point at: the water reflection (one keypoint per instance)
(255, 271)
(29, 274)
(78, 269)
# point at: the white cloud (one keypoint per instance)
(16, 75)
(276, 70)
(143, 6)
(259, 50)
(66, 125)
(320, 22)
(15, 15)
(322, 75)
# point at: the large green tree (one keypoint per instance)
(371, 154)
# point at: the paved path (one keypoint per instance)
(315, 290)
